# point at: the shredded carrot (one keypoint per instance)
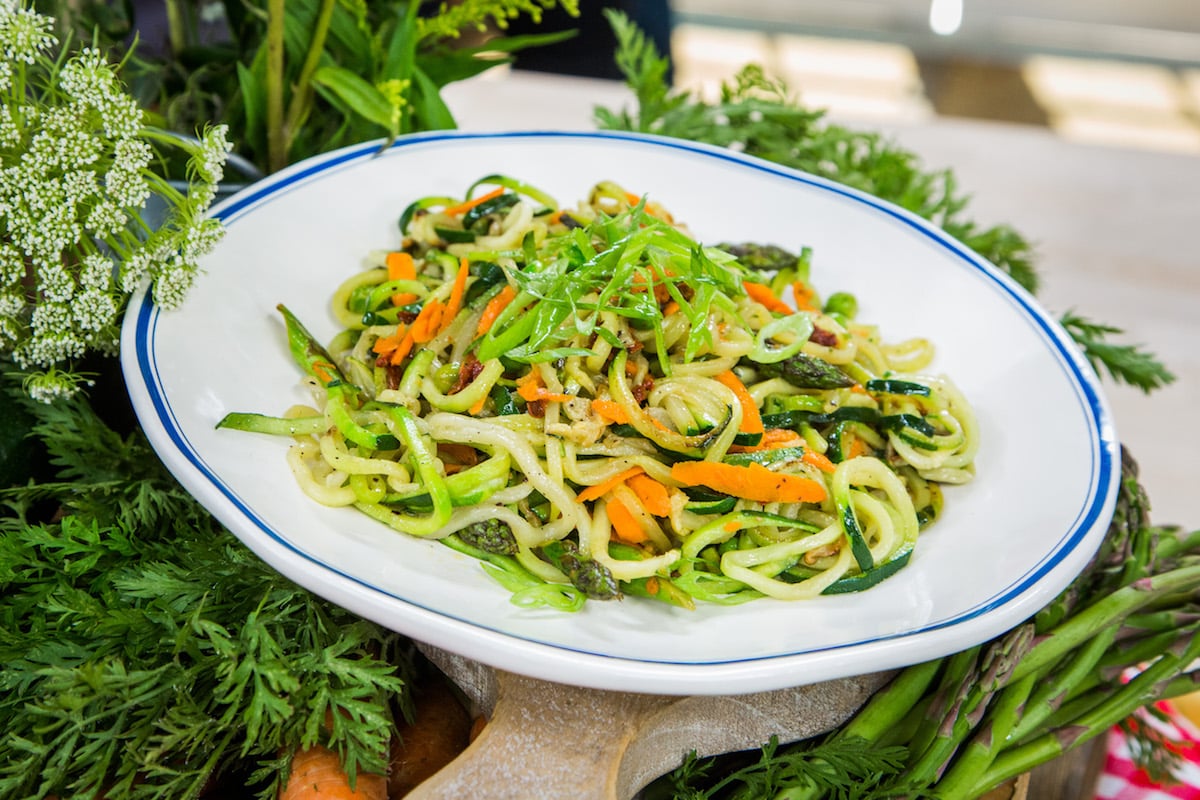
(733, 526)
(804, 296)
(772, 439)
(598, 490)
(530, 388)
(401, 267)
(493, 309)
(858, 388)
(403, 349)
(478, 405)
(751, 419)
(653, 495)
(317, 773)
(467, 205)
(670, 308)
(425, 326)
(318, 369)
(454, 304)
(857, 448)
(818, 460)
(652, 587)
(528, 385)
(624, 523)
(555, 217)
(385, 345)
(753, 482)
(611, 410)
(761, 293)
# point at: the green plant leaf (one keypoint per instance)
(445, 65)
(360, 96)
(254, 103)
(430, 111)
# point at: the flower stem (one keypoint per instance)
(302, 92)
(277, 135)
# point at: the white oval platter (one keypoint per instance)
(1048, 469)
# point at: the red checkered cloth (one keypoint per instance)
(1122, 779)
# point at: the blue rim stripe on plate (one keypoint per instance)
(1104, 448)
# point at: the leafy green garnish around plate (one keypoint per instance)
(146, 652)
(758, 116)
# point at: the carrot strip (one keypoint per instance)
(401, 267)
(857, 448)
(761, 293)
(610, 410)
(386, 345)
(772, 439)
(454, 304)
(530, 388)
(751, 419)
(804, 296)
(818, 460)
(467, 205)
(753, 482)
(425, 326)
(403, 349)
(598, 490)
(625, 525)
(477, 406)
(651, 493)
(493, 309)
(670, 308)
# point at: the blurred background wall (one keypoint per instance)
(1102, 71)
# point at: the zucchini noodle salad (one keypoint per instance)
(595, 405)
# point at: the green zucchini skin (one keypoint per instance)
(893, 386)
(275, 426)
(874, 576)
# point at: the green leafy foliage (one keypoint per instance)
(1125, 363)
(837, 769)
(755, 114)
(348, 71)
(148, 653)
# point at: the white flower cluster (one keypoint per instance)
(75, 181)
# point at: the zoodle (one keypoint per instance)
(593, 403)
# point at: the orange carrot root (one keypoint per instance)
(317, 774)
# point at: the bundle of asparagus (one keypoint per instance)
(1120, 637)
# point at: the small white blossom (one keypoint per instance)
(172, 284)
(124, 182)
(76, 190)
(55, 282)
(24, 34)
(12, 301)
(93, 310)
(12, 265)
(96, 272)
(134, 269)
(106, 219)
(52, 385)
(214, 150)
